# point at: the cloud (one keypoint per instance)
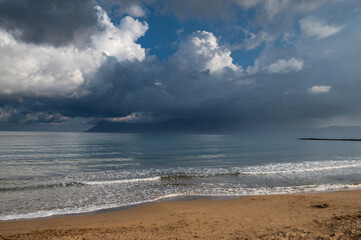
(100, 71)
(273, 7)
(199, 71)
(4, 114)
(198, 9)
(50, 22)
(201, 52)
(278, 66)
(134, 117)
(312, 27)
(47, 70)
(23, 116)
(28, 69)
(135, 10)
(255, 40)
(120, 41)
(319, 89)
(288, 7)
(228, 10)
(285, 66)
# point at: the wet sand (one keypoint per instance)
(333, 215)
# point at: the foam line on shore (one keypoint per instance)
(150, 179)
(245, 192)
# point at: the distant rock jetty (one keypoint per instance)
(332, 139)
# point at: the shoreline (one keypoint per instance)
(133, 205)
(300, 216)
(171, 198)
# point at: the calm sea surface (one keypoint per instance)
(44, 174)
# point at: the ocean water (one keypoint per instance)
(44, 174)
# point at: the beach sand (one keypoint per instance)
(333, 215)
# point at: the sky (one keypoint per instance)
(68, 65)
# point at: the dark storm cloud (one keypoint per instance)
(24, 115)
(167, 91)
(48, 21)
(120, 89)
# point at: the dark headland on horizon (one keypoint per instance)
(331, 139)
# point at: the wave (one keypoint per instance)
(184, 174)
(271, 169)
(41, 186)
(179, 177)
(316, 169)
(258, 170)
(77, 184)
(300, 167)
(54, 212)
(134, 180)
(263, 191)
(171, 196)
(69, 211)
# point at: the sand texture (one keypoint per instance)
(335, 215)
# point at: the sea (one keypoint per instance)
(45, 174)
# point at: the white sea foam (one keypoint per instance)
(299, 189)
(294, 169)
(287, 168)
(48, 213)
(205, 193)
(67, 211)
(262, 191)
(122, 181)
(342, 166)
(264, 169)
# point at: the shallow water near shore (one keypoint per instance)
(44, 174)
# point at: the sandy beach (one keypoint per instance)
(333, 215)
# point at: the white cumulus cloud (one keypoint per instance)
(319, 89)
(312, 27)
(46, 70)
(119, 41)
(43, 70)
(201, 52)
